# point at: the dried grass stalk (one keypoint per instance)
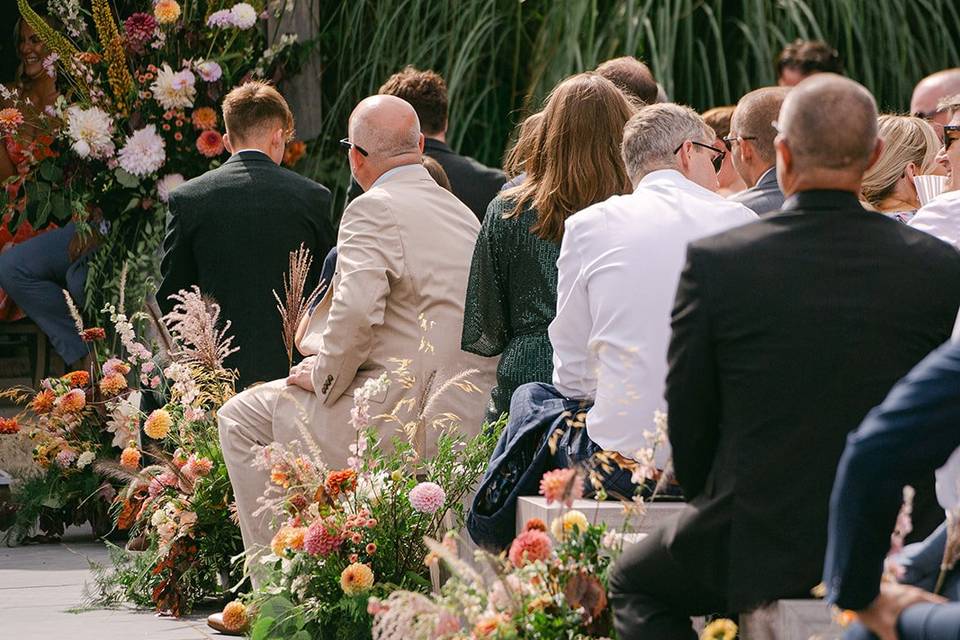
(294, 306)
(193, 326)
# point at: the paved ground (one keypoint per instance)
(41, 596)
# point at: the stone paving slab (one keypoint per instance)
(41, 596)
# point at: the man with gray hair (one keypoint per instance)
(397, 295)
(786, 332)
(929, 94)
(619, 264)
(751, 146)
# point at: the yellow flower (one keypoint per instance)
(720, 629)
(235, 616)
(166, 11)
(158, 424)
(564, 525)
(356, 579)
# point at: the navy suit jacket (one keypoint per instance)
(914, 431)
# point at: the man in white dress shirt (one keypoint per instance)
(941, 216)
(619, 265)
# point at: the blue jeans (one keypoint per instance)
(920, 622)
(35, 273)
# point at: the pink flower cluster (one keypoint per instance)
(323, 537)
(530, 546)
(427, 497)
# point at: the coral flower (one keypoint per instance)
(115, 366)
(166, 11)
(204, 118)
(77, 379)
(93, 334)
(10, 121)
(561, 485)
(210, 143)
(294, 152)
(341, 481)
(371, 548)
(9, 425)
(530, 546)
(319, 541)
(535, 524)
(489, 625)
(72, 401)
(197, 467)
(130, 458)
(280, 541)
(235, 617)
(158, 424)
(356, 579)
(427, 497)
(43, 402)
(564, 525)
(113, 384)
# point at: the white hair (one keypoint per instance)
(651, 137)
(367, 130)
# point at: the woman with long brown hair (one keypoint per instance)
(512, 292)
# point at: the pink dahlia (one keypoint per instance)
(139, 29)
(561, 485)
(427, 497)
(196, 467)
(210, 143)
(530, 546)
(320, 541)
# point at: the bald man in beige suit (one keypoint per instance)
(395, 301)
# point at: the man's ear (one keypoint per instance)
(747, 151)
(420, 144)
(228, 143)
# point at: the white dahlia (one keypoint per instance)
(90, 130)
(243, 16)
(174, 89)
(143, 152)
(168, 183)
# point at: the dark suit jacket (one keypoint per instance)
(473, 183)
(786, 332)
(915, 430)
(764, 197)
(231, 234)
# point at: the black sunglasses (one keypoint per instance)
(346, 144)
(729, 140)
(717, 160)
(949, 129)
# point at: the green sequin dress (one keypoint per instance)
(511, 300)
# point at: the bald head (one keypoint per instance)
(930, 91)
(754, 116)
(385, 126)
(830, 123)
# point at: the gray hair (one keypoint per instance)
(368, 130)
(650, 138)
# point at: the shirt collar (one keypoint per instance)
(766, 173)
(670, 178)
(822, 199)
(396, 171)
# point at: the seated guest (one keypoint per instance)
(751, 148)
(632, 77)
(802, 58)
(910, 148)
(233, 228)
(512, 294)
(930, 92)
(915, 429)
(403, 259)
(475, 184)
(435, 169)
(619, 264)
(786, 331)
(941, 216)
(516, 158)
(718, 119)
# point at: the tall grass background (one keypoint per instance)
(501, 57)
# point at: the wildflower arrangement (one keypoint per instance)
(137, 116)
(347, 534)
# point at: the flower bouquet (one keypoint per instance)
(137, 115)
(347, 534)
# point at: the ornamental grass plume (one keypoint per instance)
(357, 578)
(193, 323)
(294, 306)
(235, 616)
(530, 546)
(158, 424)
(562, 485)
(118, 72)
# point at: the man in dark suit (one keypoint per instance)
(917, 428)
(473, 183)
(786, 331)
(233, 228)
(751, 148)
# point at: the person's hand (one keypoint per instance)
(882, 614)
(301, 375)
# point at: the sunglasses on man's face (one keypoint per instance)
(716, 160)
(729, 140)
(346, 144)
(951, 133)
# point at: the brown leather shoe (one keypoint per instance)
(215, 621)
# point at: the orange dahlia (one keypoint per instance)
(43, 402)
(561, 485)
(113, 384)
(72, 401)
(535, 524)
(341, 481)
(356, 579)
(166, 11)
(235, 616)
(77, 379)
(130, 458)
(530, 546)
(158, 424)
(210, 143)
(204, 118)
(294, 152)
(10, 121)
(9, 425)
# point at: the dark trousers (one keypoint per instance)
(654, 596)
(35, 274)
(920, 622)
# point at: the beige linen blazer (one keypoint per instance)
(395, 304)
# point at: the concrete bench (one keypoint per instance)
(791, 620)
(609, 512)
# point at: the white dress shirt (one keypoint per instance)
(619, 265)
(940, 218)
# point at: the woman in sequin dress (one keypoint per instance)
(512, 292)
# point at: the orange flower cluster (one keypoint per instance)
(9, 426)
(113, 384)
(341, 481)
(10, 121)
(130, 458)
(93, 334)
(77, 379)
(294, 152)
(235, 617)
(204, 118)
(210, 143)
(43, 402)
(166, 11)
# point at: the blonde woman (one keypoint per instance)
(910, 149)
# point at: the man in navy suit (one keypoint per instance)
(914, 431)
